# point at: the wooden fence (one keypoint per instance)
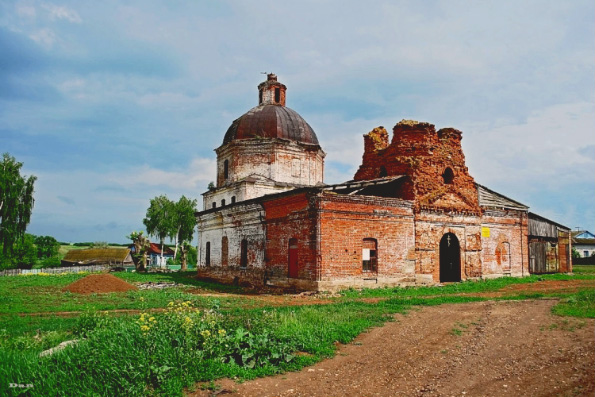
(55, 270)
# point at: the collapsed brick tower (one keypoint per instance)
(432, 160)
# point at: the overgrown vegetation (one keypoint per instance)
(177, 338)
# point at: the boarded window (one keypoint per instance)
(224, 251)
(295, 167)
(244, 253)
(370, 255)
(292, 266)
(208, 254)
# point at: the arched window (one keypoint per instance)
(244, 253)
(448, 176)
(208, 254)
(214, 205)
(223, 202)
(382, 172)
(233, 199)
(370, 255)
(226, 169)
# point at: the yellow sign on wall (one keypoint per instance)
(485, 231)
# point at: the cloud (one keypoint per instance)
(44, 37)
(66, 200)
(62, 13)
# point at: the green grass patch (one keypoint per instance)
(581, 304)
(198, 338)
(584, 269)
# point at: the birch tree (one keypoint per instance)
(16, 202)
(183, 222)
(158, 219)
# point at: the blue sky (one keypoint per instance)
(112, 103)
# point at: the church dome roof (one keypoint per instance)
(271, 121)
(271, 118)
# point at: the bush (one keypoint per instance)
(53, 261)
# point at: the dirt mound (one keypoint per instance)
(99, 284)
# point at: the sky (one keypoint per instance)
(111, 103)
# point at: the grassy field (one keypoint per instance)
(155, 350)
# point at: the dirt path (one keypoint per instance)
(490, 348)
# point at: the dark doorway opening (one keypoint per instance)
(293, 259)
(450, 258)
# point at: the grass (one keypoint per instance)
(584, 269)
(156, 353)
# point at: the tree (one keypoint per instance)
(158, 219)
(47, 246)
(183, 222)
(575, 253)
(141, 248)
(22, 255)
(16, 202)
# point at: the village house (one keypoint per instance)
(412, 214)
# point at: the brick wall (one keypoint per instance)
(433, 160)
(505, 249)
(345, 221)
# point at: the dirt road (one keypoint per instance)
(515, 348)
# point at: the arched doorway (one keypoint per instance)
(450, 258)
(293, 259)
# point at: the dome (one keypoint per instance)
(271, 121)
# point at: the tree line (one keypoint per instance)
(164, 219)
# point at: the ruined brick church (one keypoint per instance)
(411, 215)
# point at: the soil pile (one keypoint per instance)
(99, 284)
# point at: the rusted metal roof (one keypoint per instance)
(271, 121)
(489, 198)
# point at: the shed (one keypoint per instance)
(549, 246)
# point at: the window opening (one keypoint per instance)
(370, 255)
(448, 176)
(208, 254)
(223, 202)
(244, 253)
(214, 205)
(226, 169)
(224, 251)
(277, 95)
(292, 266)
(233, 199)
(383, 172)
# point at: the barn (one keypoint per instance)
(411, 215)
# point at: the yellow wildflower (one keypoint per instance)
(145, 328)
(222, 332)
(205, 334)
